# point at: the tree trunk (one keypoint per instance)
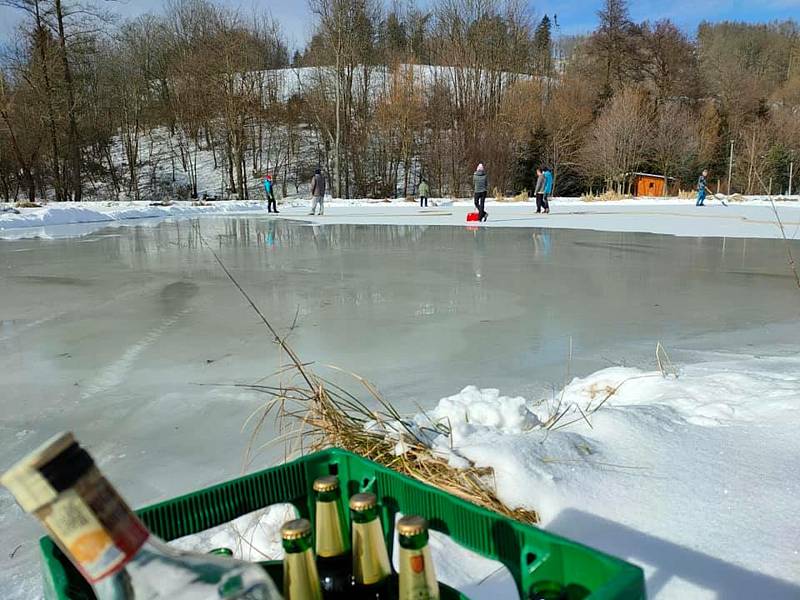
(74, 142)
(58, 184)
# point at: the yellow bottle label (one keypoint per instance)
(370, 557)
(417, 575)
(94, 527)
(330, 541)
(83, 537)
(300, 578)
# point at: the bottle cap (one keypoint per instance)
(296, 529)
(361, 502)
(27, 483)
(326, 484)
(412, 525)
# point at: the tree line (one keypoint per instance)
(92, 106)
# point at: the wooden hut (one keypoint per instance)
(647, 184)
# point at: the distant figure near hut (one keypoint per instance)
(702, 185)
(424, 190)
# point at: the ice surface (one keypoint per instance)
(131, 336)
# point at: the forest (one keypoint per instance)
(93, 106)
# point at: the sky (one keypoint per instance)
(574, 16)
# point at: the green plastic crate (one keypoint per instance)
(529, 553)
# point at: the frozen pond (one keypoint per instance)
(111, 334)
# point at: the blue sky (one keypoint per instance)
(574, 16)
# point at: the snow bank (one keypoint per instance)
(106, 212)
(673, 473)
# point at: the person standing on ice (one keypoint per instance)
(539, 190)
(268, 188)
(318, 192)
(423, 191)
(702, 184)
(480, 184)
(548, 188)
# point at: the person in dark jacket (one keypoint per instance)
(424, 190)
(272, 206)
(701, 188)
(539, 191)
(548, 188)
(480, 184)
(318, 192)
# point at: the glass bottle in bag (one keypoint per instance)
(60, 485)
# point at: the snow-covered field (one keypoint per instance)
(754, 217)
(691, 474)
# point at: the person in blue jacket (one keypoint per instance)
(702, 184)
(272, 206)
(548, 188)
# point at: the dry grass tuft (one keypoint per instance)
(313, 413)
(521, 197)
(28, 205)
(607, 196)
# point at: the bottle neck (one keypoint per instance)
(300, 576)
(413, 542)
(417, 575)
(370, 557)
(93, 526)
(330, 539)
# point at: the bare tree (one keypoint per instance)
(618, 140)
(674, 140)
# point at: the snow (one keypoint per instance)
(751, 218)
(692, 477)
(44, 222)
(673, 472)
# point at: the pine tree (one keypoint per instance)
(543, 47)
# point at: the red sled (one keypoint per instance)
(473, 216)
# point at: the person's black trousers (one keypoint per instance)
(539, 202)
(480, 202)
(272, 206)
(423, 201)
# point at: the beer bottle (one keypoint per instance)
(417, 575)
(334, 562)
(371, 568)
(61, 486)
(300, 578)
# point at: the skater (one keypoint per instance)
(272, 206)
(548, 189)
(539, 190)
(318, 192)
(701, 188)
(423, 192)
(480, 184)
